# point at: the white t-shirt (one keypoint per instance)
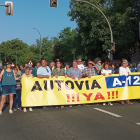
(124, 71)
(138, 67)
(81, 67)
(103, 71)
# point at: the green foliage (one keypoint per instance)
(26, 53)
(47, 50)
(68, 43)
(93, 30)
(90, 39)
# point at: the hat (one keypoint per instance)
(30, 65)
(97, 59)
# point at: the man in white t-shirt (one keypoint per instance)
(80, 65)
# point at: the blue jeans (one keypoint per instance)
(17, 99)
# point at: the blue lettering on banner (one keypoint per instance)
(122, 81)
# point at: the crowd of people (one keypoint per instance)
(10, 77)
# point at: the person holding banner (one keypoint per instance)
(105, 71)
(8, 86)
(43, 71)
(74, 72)
(124, 71)
(27, 74)
(58, 71)
(90, 70)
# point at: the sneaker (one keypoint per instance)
(30, 109)
(24, 110)
(0, 112)
(104, 103)
(10, 111)
(110, 103)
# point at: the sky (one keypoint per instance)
(36, 14)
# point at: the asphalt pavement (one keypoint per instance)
(94, 122)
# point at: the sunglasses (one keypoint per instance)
(90, 63)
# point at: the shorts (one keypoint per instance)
(8, 89)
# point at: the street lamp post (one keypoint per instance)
(111, 57)
(40, 41)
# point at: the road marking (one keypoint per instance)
(107, 112)
(138, 123)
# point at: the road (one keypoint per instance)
(76, 123)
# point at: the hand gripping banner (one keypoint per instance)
(66, 91)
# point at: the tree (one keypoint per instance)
(47, 52)
(93, 31)
(10, 47)
(68, 44)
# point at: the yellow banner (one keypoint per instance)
(66, 91)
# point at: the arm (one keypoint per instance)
(16, 78)
(71, 76)
(53, 74)
(110, 72)
(129, 71)
(85, 75)
(79, 77)
(102, 72)
(42, 76)
(96, 68)
(1, 74)
(120, 72)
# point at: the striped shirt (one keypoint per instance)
(88, 71)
